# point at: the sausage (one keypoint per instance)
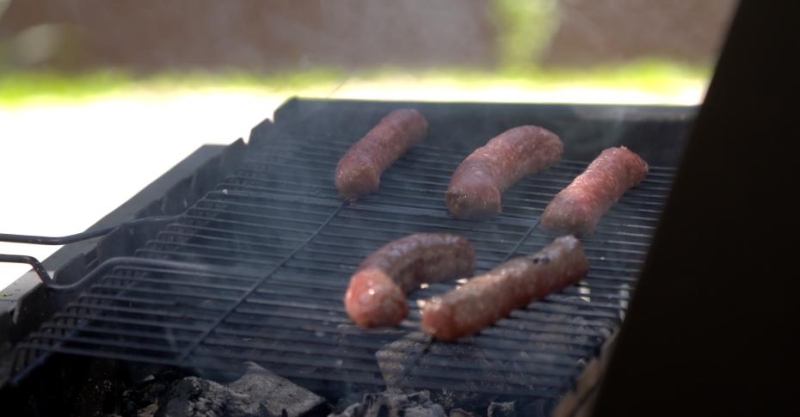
(359, 171)
(377, 292)
(578, 208)
(475, 188)
(514, 284)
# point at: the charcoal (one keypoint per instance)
(457, 412)
(501, 409)
(149, 411)
(258, 393)
(195, 397)
(470, 401)
(145, 396)
(538, 408)
(350, 397)
(389, 404)
(396, 359)
(99, 394)
(277, 395)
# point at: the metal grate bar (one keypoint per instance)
(212, 231)
(221, 318)
(392, 182)
(60, 317)
(422, 156)
(101, 332)
(282, 246)
(301, 142)
(435, 361)
(127, 344)
(313, 334)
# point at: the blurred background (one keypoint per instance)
(99, 98)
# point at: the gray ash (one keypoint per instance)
(390, 404)
(257, 393)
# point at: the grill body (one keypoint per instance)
(278, 246)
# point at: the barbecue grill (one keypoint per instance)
(257, 267)
(243, 253)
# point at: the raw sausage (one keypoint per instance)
(578, 208)
(514, 284)
(377, 292)
(477, 184)
(359, 171)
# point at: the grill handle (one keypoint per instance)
(50, 283)
(77, 237)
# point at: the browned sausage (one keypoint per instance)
(514, 284)
(377, 292)
(359, 171)
(578, 208)
(476, 186)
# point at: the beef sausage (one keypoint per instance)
(475, 188)
(359, 171)
(487, 298)
(377, 292)
(578, 208)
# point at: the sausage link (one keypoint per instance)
(377, 292)
(578, 208)
(359, 171)
(514, 284)
(477, 184)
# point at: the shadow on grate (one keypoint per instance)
(281, 248)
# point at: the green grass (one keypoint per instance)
(650, 75)
(653, 76)
(21, 88)
(524, 28)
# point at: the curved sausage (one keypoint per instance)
(377, 292)
(359, 171)
(476, 186)
(578, 208)
(514, 284)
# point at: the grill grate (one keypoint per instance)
(280, 248)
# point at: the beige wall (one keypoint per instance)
(264, 34)
(278, 34)
(619, 30)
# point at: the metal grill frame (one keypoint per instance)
(413, 207)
